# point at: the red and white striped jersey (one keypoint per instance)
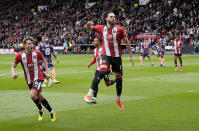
(111, 39)
(30, 65)
(97, 57)
(176, 46)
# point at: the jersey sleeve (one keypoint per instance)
(93, 61)
(17, 59)
(52, 49)
(181, 44)
(98, 28)
(40, 56)
(39, 48)
(123, 33)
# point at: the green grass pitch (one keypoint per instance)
(154, 98)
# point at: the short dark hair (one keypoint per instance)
(28, 38)
(38, 38)
(106, 15)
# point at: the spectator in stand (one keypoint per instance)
(66, 19)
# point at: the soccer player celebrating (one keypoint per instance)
(161, 50)
(177, 46)
(146, 52)
(111, 35)
(47, 50)
(29, 60)
(97, 57)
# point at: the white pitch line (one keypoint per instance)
(7, 76)
(21, 106)
(194, 91)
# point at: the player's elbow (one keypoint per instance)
(108, 83)
(126, 41)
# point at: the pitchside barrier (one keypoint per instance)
(7, 51)
(87, 49)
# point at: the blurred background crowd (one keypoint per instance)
(63, 21)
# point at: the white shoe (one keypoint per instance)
(87, 99)
(55, 81)
(49, 82)
(43, 85)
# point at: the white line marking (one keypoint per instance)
(21, 106)
(193, 91)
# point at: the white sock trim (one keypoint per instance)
(90, 92)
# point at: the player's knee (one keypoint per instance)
(118, 75)
(108, 83)
(102, 72)
(33, 96)
(119, 79)
(40, 97)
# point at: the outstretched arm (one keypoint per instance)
(55, 58)
(92, 62)
(181, 44)
(89, 25)
(126, 41)
(13, 67)
(46, 67)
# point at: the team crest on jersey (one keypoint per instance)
(23, 58)
(110, 36)
(34, 56)
(114, 31)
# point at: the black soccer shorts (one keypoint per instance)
(36, 85)
(116, 62)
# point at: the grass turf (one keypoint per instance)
(154, 98)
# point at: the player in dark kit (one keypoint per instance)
(29, 60)
(140, 48)
(111, 35)
(47, 50)
(161, 49)
(97, 57)
(177, 46)
(40, 44)
(146, 52)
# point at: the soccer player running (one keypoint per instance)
(29, 60)
(140, 49)
(47, 50)
(111, 35)
(177, 46)
(40, 44)
(146, 52)
(97, 57)
(161, 50)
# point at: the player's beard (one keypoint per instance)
(112, 23)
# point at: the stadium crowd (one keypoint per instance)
(64, 21)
